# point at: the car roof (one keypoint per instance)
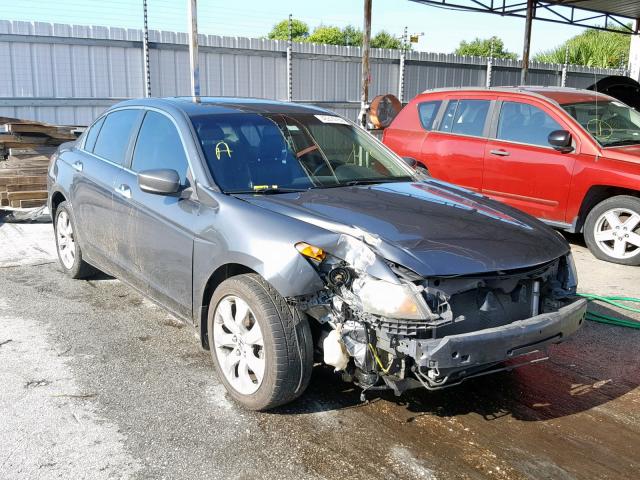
(560, 95)
(194, 106)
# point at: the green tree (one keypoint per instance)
(594, 48)
(327, 35)
(299, 30)
(482, 47)
(384, 39)
(352, 36)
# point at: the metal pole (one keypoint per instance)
(366, 70)
(489, 66)
(290, 61)
(565, 67)
(145, 52)
(193, 48)
(403, 56)
(524, 74)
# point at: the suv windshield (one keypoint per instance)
(611, 123)
(275, 153)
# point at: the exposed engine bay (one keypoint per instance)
(406, 331)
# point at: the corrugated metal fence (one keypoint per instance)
(68, 74)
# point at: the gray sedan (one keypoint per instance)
(287, 235)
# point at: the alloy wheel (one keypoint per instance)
(65, 240)
(617, 233)
(239, 344)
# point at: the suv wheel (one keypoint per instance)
(261, 347)
(612, 230)
(69, 252)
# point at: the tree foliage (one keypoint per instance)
(299, 30)
(485, 47)
(327, 35)
(332, 35)
(594, 48)
(384, 39)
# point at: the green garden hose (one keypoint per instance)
(615, 301)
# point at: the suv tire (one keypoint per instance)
(612, 230)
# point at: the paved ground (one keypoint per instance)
(96, 382)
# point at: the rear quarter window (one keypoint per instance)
(427, 112)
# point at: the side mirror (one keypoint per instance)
(561, 141)
(160, 181)
(411, 162)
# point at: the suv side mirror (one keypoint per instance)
(561, 141)
(161, 181)
(411, 162)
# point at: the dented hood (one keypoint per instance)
(430, 227)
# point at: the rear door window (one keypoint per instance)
(465, 117)
(115, 134)
(428, 112)
(159, 146)
(524, 123)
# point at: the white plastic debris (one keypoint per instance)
(335, 352)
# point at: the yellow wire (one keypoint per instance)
(375, 355)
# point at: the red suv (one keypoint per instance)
(569, 157)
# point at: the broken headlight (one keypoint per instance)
(379, 297)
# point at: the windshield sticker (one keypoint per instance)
(293, 128)
(222, 148)
(331, 119)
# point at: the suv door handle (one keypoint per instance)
(124, 190)
(500, 153)
(77, 166)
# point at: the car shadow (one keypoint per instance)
(599, 364)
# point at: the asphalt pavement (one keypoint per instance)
(97, 382)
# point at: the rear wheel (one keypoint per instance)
(69, 252)
(612, 230)
(261, 347)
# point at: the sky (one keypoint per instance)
(443, 29)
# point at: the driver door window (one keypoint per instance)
(159, 146)
(524, 123)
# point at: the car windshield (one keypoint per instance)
(276, 153)
(611, 123)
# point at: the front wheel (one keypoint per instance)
(612, 230)
(261, 347)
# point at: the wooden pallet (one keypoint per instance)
(25, 149)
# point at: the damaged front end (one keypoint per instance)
(384, 326)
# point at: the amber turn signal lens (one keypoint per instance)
(309, 251)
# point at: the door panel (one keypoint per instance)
(155, 237)
(521, 169)
(455, 151)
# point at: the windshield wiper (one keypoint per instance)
(267, 191)
(373, 181)
(621, 143)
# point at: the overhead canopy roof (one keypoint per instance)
(600, 14)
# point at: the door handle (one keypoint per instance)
(77, 166)
(500, 153)
(124, 190)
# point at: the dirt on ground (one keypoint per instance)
(97, 382)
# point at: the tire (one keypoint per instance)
(612, 230)
(286, 352)
(69, 251)
(421, 168)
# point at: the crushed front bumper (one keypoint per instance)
(456, 356)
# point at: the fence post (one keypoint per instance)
(403, 57)
(290, 61)
(565, 67)
(145, 52)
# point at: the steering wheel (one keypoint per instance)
(599, 128)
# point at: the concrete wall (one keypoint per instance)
(68, 74)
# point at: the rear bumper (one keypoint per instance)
(463, 352)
